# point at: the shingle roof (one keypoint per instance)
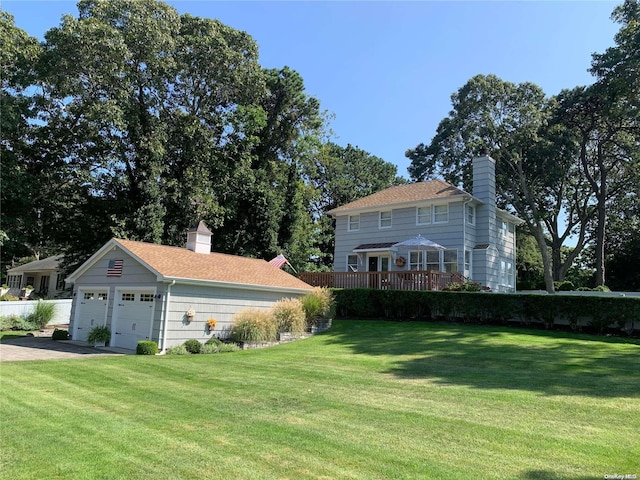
(49, 263)
(373, 246)
(180, 263)
(412, 192)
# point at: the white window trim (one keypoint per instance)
(348, 264)
(418, 222)
(390, 219)
(434, 213)
(349, 229)
(471, 212)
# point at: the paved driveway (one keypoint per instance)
(43, 348)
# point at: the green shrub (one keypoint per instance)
(565, 286)
(213, 341)
(209, 348)
(467, 286)
(319, 303)
(227, 347)
(59, 334)
(601, 288)
(584, 289)
(289, 315)
(146, 347)
(99, 334)
(253, 325)
(192, 346)
(42, 313)
(177, 350)
(6, 322)
(19, 323)
(7, 297)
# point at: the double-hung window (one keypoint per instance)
(440, 213)
(385, 220)
(451, 260)
(354, 223)
(471, 214)
(433, 260)
(352, 263)
(415, 260)
(423, 215)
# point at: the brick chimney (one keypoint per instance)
(199, 239)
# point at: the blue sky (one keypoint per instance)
(386, 70)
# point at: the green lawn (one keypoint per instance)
(371, 400)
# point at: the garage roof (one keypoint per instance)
(178, 263)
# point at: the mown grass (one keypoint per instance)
(366, 400)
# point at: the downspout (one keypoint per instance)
(165, 314)
(464, 239)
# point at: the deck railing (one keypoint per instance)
(413, 280)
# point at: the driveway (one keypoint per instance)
(43, 348)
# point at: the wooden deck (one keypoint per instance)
(413, 280)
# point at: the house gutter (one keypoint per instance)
(165, 315)
(464, 237)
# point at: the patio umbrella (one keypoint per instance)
(419, 243)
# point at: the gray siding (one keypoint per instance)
(210, 302)
(133, 275)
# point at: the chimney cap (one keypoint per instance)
(200, 228)
(484, 152)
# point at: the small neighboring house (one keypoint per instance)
(144, 291)
(478, 237)
(43, 275)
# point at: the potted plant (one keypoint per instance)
(211, 324)
(99, 336)
(4, 289)
(190, 314)
(27, 290)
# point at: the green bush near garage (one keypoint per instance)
(146, 347)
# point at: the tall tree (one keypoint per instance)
(339, 175)
(533, 160)
(21, 223)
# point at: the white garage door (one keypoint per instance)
(91, 311)
(132, 317)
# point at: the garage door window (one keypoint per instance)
(102, 296)
(146, 297)
(128, 297)
(89, 295)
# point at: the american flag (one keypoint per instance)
(280, 261)
(115, 268)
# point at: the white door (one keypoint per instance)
(91, 311)
(132, 317)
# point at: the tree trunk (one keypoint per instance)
(546, 260)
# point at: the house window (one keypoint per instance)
(44, 284)
(440, 213)
(415, 260)
(506, 273)
(503, 228)
(450, 260)
(354, 223)
(128, 297)
(467, 263)
(60, 282)
(471, 215)
(433, 260)
(14, 281)
(423, 215)
(385, 220)
(352, 263)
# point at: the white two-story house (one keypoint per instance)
(478, 238)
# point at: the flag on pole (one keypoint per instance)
(280, 261)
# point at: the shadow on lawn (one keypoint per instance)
(546, 475)
(553, 363)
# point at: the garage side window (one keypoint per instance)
(128, 297)
(146, 297)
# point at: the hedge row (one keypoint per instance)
(471, 307)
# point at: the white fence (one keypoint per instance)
(24, 308)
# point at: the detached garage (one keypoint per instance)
(144, 291)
